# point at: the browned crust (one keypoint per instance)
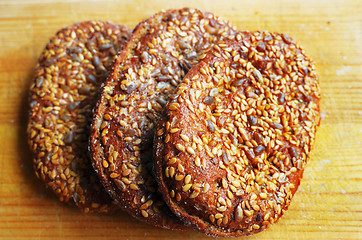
(70, 70)
(248, 182)
(137, 193)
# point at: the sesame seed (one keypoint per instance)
(180, 168)
(134, 187)
(114, 175)
(221, 209)
(179, 177)
(187, 179)
(107, 117)
(194, 194)
(144, 213)
(172, 161)
(197, 161)
(185, 137)
(178, 197)
(180, 147)
(190, 150)
(147, 204)
(173, 106)
(105, 164)
(172, 171)
(255, 226)
(186, 187)
(263, 195)
(174, 130)
(212, 218)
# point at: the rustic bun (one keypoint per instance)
(70, 70)
(156, 58)
(231, 149)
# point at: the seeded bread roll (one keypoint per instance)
(70, 70)
(231, 149)
(158, 55)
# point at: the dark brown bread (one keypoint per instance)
(231, 149)
(70, 70)
(160, 52)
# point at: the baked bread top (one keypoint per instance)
(71, 69)
(231, 149)
(158, 55)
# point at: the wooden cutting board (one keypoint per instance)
(328, 204)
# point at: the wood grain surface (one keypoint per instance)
(328, 204)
